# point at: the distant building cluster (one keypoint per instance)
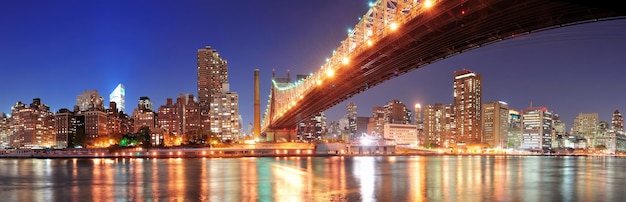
(469, 122)
(212, 116)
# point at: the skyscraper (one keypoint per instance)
(118, 96)
(495, 124)
(212, 73)
(617, 122)
(467, 106)
(537, 129)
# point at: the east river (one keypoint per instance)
(366, 178)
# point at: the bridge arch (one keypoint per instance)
(398, 36)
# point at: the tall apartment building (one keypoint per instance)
(617, 122)
(585, 125)
(495, 124)
(212, 73)
(537, 129)
(438, 125)
(32, 126)
(119, 97)
(225, 115)
(467, 106)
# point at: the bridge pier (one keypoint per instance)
(281, 135)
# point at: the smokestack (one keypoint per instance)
(257, 105)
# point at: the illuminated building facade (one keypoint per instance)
(212, 73)
(168, 118)
(143, 115)
(31, 126)
(585, 126)
(609, 140)
(351, 116)
(404, 135)
(438, 125)
(467, 106)
(514, 129)
(64, 126)
(118, 96)
(313, 128)
(189, 118)
(418, 117)
(225, 115)
(377, 121)
(4, 131)
(396, 112)
(537, 129)
(95, 128)
(558, 132)
(495, 124)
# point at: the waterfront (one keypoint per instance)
(364, 178)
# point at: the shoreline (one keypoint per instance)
(190, 156)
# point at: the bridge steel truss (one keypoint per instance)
(397, 36)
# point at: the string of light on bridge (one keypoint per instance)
(384, 17)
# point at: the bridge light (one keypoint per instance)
(346, 60)
(393, 26)
(428, 3)
(369, 42)
(319, 82)
(330, 73)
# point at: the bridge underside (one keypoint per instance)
(451, 27)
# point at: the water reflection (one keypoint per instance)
(418, 178)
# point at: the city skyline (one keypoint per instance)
(122, 55)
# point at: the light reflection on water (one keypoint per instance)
(400, 178)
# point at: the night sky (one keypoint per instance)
(55, 50)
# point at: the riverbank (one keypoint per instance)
(237, 153)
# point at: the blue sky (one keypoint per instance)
(54, 50)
